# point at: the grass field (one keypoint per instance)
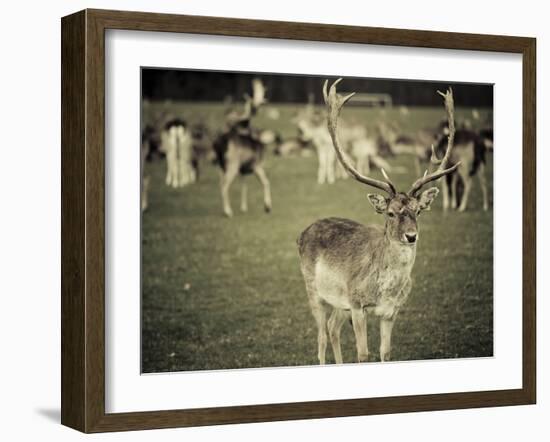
(222, 293)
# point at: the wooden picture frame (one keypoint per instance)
(83, 220)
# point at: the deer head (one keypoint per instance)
(254, 102)
(400, 209)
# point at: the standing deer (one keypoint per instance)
(470, 150)
(177, 144)
(353, 269)
(240, 149)
(316, 133)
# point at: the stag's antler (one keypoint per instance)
(334, 103)
(252, 104)
(258, 93)
(441, 171)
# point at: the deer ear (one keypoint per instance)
(379, 203)
(427, 197)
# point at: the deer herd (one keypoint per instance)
(349, 269)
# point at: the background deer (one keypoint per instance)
(470, 148)
(314, 130)
(239, 150)
(351, 269)
(177, 144)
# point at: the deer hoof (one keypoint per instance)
(267, 209)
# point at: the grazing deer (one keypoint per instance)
(351, 269)
(292, 146)
(239, 150)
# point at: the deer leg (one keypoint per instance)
(335, 322)
(230, 174)
(386, 327)
(182, 172)
(417, 166)
(320, 314)
(483, 184)
(260, 173)
(321, 170)
(445, 191)
(169, 165)
(178, 172)
(168, 179)
(185, 172)
(339, 171)
(244, 199)
(331, 166)
(361, 165)
(359, 322)
(467, 187)
(176, 159)
(174, 173)
(454, 190)
(145, 193)
(180, 164)
(366, 164)
(318, 310)
(167, 148)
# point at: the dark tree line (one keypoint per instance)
(190, 85)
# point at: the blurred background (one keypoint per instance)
(223, 290)
(213, 86)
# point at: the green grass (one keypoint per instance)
(223, 293)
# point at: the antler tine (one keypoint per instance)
(441, 171)
(387, 178)
(334, 103)
(258, 92)
(252, 103)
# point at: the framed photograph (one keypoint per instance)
(268, 221)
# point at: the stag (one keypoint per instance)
(351, 269)
(239, 150)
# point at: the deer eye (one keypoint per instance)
(391, 214)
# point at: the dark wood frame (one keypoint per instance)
(83, 217)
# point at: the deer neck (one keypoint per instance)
(397, 254)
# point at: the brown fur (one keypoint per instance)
(349, 267)
(239, 151)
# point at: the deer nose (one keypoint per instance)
(411, 237)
